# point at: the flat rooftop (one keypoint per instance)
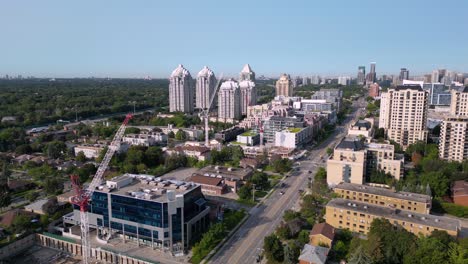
(225, 172)
(387, 212)
(380, 146)
(416, 197)
(146, 187)
(350, 143)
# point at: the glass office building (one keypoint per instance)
(150, 211)
(439, 94)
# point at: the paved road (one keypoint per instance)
(246, 243)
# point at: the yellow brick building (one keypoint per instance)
(358, 216)
(415, 202)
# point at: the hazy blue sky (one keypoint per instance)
(138, 38)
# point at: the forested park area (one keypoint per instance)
(43, 101)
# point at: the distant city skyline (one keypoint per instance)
(123, 39)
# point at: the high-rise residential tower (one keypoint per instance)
(361, 76)
(181, 91)
(435, 76)
(453, 140)
(247, 74)
(284, 85)
(404, 74)
(205, 88)
(229, 101)
(459, 102)
(372, 76)
(403, 114)
(248, 92)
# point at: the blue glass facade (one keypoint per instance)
(147, 219)
(139, 211)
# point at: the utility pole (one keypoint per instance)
(253, 193)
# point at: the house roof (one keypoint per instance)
(15, 184)
(323, 229)
(9, 217)
(460, 188)
(206, 180)
(314, 254)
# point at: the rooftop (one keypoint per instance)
(387, 212)
(206, 180)
(350, 143)
(363, 123)
(226, 172)
(314, 254)
(180, 72)
(146, 187)
(415, 87)
(380, 146)
(416, 197)
(246, 69)
(460, 188)
(249, 133)
(323, 229)
(294, 129)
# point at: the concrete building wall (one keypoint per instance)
(360, 221)
(383, 200)
(453, 140)
(403, 114)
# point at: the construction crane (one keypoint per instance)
(83, 196)
(205, 113)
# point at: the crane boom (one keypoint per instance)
(82, 197)
(206, 112)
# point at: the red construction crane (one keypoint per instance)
(83, 196)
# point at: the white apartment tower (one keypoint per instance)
(459, 102)
(229, 101)
(284, 86)
(205, 88)
(403, 114)
(248, 92)
(247, 74)
(453, 140)
(181, 91)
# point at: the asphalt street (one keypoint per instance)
(245, 245)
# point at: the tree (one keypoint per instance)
(170, 134)
(303, 237)
(153, 156)
(283, 231)
(81, 157)
(292, 250)
(458, 254)
(428, 250)
(273, 247)
(5, 197)
(51, 206)
(260, 180)
(132, 130)
(245, 192)
(31, 196)
(55, 149)
(290, 215)
(135, 155)
(21, 223)
(360, 257)
(53, 185)
(180, 135)
(282, 165)
(329, 151)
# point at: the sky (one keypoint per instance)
(137, 38)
